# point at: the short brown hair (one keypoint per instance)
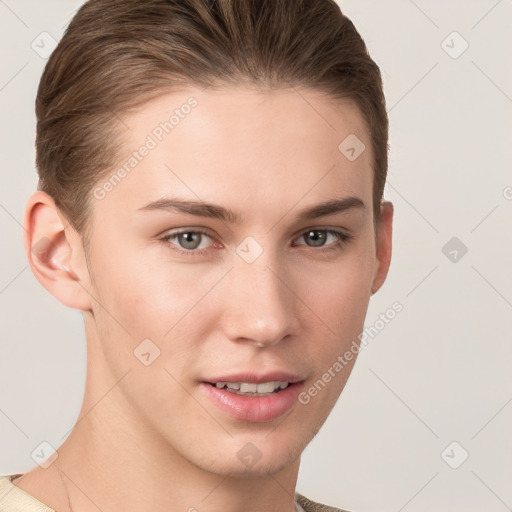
(117, 54)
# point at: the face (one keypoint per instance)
(214, 263)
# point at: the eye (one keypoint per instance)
(188, 241)
(194, 242)
(319, 238)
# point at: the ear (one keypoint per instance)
(384, 234)
(55, 253)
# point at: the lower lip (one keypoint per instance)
(254, 408)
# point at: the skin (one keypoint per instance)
(149, 431)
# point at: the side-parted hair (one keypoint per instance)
(116, 55)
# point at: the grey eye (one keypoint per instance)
(189, 239)
(317, 237)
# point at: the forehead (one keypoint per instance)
(250, 148)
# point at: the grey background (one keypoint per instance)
(439, 372)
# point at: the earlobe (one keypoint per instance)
(383, 245)
(55, 253)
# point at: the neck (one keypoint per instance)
(131, 471)
(114, 460)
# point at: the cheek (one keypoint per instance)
(339, 292)
(338, 296)
(339, 308)
(151, 296)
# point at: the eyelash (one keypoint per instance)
(343, 238)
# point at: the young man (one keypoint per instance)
(211, 180)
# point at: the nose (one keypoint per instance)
(258, 307)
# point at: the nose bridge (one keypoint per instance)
(259, 307)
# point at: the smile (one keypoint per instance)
(251, 388)
(253, 402)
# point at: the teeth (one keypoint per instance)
(246, 387)
(252, 387)
(264, 387)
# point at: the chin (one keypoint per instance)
(253, 457)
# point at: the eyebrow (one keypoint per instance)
(214, 211)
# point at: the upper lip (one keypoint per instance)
(277, 376)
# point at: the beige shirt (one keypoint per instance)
(14, 499)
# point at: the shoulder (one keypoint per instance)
(14, 499)
(313, 506)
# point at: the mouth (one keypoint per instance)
(252, 388)
(254, 398)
